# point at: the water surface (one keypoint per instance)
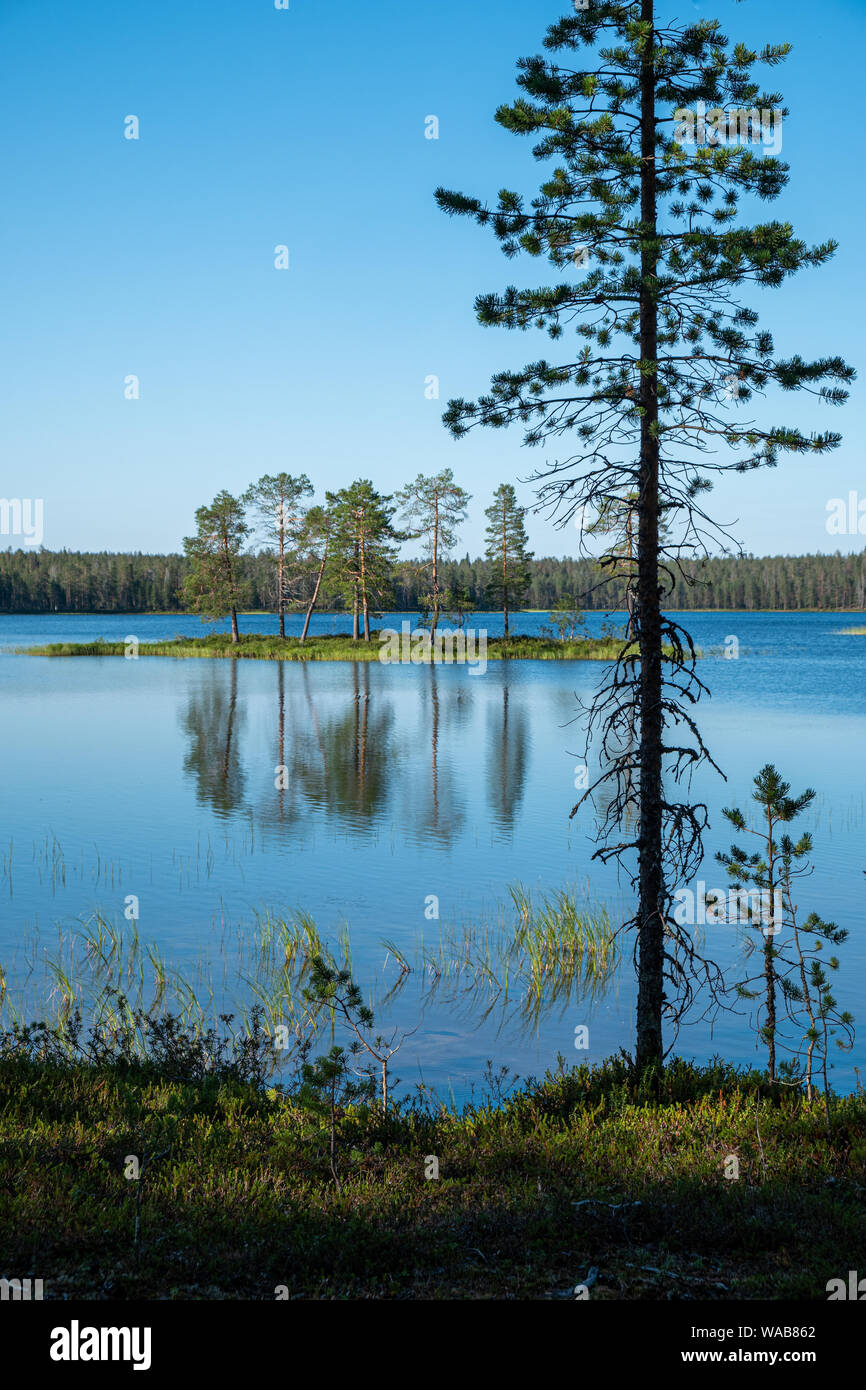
(156, 778)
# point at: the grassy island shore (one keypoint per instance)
(337, 647)
(580, 1178)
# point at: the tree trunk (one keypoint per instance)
(770, 959)
(504, 569)
(355, 592)
(651, 944)
(770, 978)
(230, 575)
(435, 622)
(333, 1154)
(281, 600)
(315, 594)
(630, 625)
(364, 599)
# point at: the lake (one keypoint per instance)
(406, 788)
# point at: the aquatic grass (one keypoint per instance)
(561, 940)
(64, 987)
(275, 998)
(113, 1016)
(100, 960)
(111, 952)
(160, 973)
(550, 953)
(49, 860)
(511, 965)
(392, 949)
(53, 868)
(297, 937)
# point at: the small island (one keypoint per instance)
(342, 647)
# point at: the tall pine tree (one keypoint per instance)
(507, 550)
(363, 548)
(277, 503)
(643, 231)
(433, 509)
(215, 585)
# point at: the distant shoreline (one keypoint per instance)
(341, 613)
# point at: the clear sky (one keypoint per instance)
(306, 127)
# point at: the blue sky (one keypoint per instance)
(305, 127)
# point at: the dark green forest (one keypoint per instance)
(76, 582)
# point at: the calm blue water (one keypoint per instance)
(156, 778)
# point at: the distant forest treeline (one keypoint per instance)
(77, 582)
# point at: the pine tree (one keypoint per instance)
(434, 508)
(794, 981)
(506, 550)
(363, 547)
(277, 503)
(215, 585)
(641, 229)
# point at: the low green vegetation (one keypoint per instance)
(334, 647)
(181, 1173)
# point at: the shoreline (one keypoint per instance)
(341, 613)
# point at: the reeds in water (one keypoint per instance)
(532, 954)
